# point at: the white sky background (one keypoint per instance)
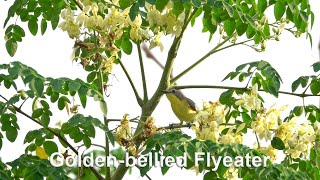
(50, 56)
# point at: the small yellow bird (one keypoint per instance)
(184, 108)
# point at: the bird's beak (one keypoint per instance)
(165, 91)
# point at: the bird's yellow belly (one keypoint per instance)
(183, 113)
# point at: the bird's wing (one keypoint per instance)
(191, 104)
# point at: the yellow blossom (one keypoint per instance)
(250, 101)
(156, 42)
(270, 152)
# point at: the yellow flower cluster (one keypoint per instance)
(231, 138)
(149, 127)
(110, 27)
(250, 101)
(231, 173)
(298, 138)
(165, 20)
(136, 32)
(69, 24)
(123, 135)
(208, 120)
(270, 152)
(266, 121)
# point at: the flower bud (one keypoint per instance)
(263, 20)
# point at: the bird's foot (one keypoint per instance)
(173, 125)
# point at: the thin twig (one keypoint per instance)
(150, 55)
(240, 88)
(250, 78)
(105, 120)
(23, 102)
(189, 125)
(139, 100)
(143, 75)
(257, 140)
(97, 145)
(148, 176)
(214, 50)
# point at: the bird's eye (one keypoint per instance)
(173, 90)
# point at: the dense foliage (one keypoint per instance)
(102, 31)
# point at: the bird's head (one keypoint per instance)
(173, 93)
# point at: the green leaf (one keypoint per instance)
(134, 10)
(207, 23)
(262, 5)
(87, 141)
(62, 101)
(74, 86)
(315, 87)
(316, 66)
(11, 133)
(103, 107)
(246, 118)
(119, 153)
(279, 9)
(228, 8)
(57, 85)
(125, 3)
(55, 21)
(45, 119)
(43, 26)
(161, 4)
(226, 96)
(295, 85)
(54, 97)
(277, 143)
(44, 104)
(250, 32)
(33, 26)
(241, 27)
(37, 85)
(229, 26)
(178, 8)
(152, 2)
(196, 3)
(11, 46)
(19, 31)
(91, 77)
(298, 110)
(126, 45)
(37, 113)
(50, 147)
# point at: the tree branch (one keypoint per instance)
(214, 50)
(239, 88)
(139, 100)
(151, 104)
(107, 152)
(189, 125)
(105, 120)
(144, 82)
(150, 55)
(135, 120)
(61, 138)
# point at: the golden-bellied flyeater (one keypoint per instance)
(184, 108)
